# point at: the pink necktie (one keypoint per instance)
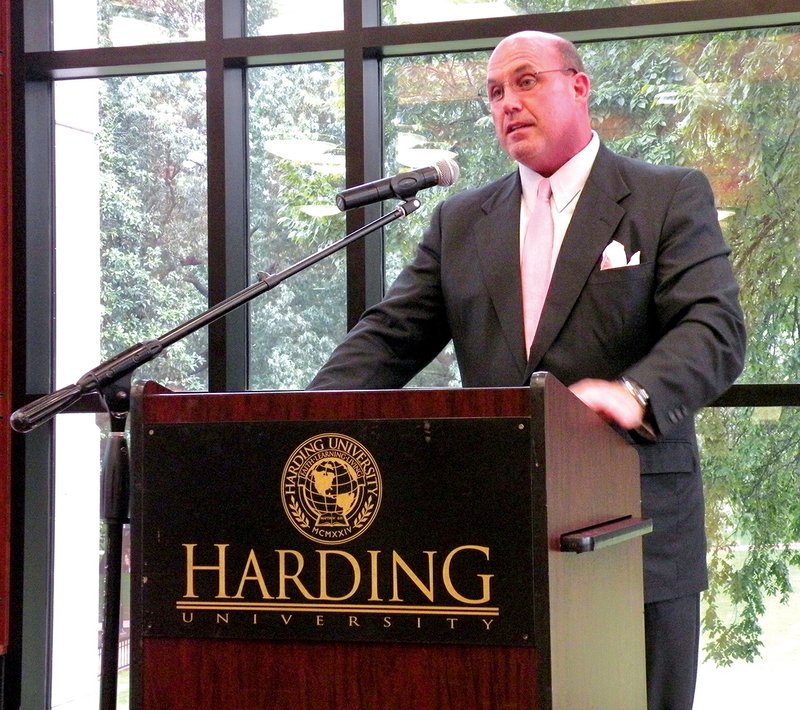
(537, 251)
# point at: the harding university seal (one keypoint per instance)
(331, 488)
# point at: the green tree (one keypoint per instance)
(296, 167)
(153, 218)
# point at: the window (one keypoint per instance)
(121, 23)
(293, 16)
(403, 12)
(296, 166)
(196, 145)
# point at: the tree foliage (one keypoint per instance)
(296, 140)
(153, 218)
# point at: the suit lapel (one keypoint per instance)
(496, 239)
(596, 217)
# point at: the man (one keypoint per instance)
(645, 344)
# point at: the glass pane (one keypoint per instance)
(76, 564)
(434, 109)
(79, 24)
(402, 12)
(294, 16)
(296, 166)
(726, 103)
(130, 265)
(153, 181)
(75, 655)
(751, 462)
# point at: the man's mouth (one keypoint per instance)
(517, 125)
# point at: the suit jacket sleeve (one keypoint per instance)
(399, 336)
(672, 323)
(700, 343)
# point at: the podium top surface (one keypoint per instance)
(160, 405)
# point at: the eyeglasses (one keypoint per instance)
(521, 85)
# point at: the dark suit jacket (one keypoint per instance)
(673, 323)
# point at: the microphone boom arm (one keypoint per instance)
(31, 415)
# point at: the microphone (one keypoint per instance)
(401, 186)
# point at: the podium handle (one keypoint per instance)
(605, 534)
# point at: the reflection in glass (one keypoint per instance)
(434, 107)
(280, 17)
(80, 24)
(296, 167)
(401, 12)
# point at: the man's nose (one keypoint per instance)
(511, 100)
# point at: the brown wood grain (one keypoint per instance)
(331, 405)
(588, 633)
(242, 675)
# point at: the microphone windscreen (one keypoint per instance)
(448, 171)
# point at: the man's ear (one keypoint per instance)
(581, 84)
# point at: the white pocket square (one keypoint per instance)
(614, 257)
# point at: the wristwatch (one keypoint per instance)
(647, 428)
(636, 391)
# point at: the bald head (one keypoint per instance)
(567, 51)
(540, 99)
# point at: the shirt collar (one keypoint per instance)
(568, 181)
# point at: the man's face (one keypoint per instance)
(545, 126)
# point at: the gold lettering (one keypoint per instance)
(485, 578)
(284, 576)
(353, 621)
(191, 567)
(398, 561)
(252, 561)
(320, 620)
(188, 618)
(323, 574)
(374, 595)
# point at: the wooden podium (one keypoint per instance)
(494, 562)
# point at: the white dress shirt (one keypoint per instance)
(566, 183)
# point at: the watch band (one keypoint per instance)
(636, 391)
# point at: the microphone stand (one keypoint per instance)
(112, 380)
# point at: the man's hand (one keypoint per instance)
(612, 401)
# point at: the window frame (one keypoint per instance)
(225, 55)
